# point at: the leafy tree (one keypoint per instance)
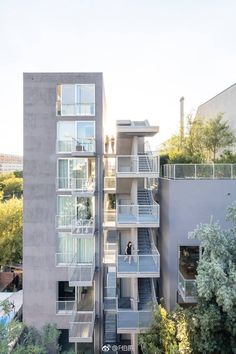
(204, 141)
(11, 229)
(210, 326)
(217, 135)
(12, 187)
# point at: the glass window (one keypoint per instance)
(76, 136)
(76, 100)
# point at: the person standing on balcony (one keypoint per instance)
(106, 144)
(113, 144)
(128, 252)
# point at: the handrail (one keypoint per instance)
(199, 171)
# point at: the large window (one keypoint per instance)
(76, 136)
(76, 100)
(77, 173)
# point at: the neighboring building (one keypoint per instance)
(189, 195)
(223, 102)
(10, 163)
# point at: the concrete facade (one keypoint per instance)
(40, 195)
(184, 205)
(223, 102)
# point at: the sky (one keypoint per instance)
(151, 53)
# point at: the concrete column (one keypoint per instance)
(134, 192)
(134, 343)
(135, 145)
(134, 293)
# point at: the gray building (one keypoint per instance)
(63, 147)
(223, 102)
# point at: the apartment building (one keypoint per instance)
(82, 205)
(63, 188)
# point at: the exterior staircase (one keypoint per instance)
(144, 293)
(144, 199)
(110, 328)
(144, 163)
(144, 244)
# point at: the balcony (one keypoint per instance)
(77, 147)
(82, 323)
(137, 266)
(199, 171)
(81, 228)
(109, 219)
(77, 186)
(76, 109)
(64, 307)
(142, 166)
(109, 184)
(187, 288)
(129, 321)
(81, 273)
(138, 215)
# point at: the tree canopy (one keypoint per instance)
(206, 139)
(11, 229)
(210, 325)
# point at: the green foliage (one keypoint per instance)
(11, 228)
(205, 139)
(210, 326)
(5, 306)
(12, 187)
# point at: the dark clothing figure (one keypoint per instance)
(128, 252)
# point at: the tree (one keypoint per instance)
(11, 229)
(204, 140)
(217, 135)
(12, 187)
(210, 326)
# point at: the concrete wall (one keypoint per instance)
(224, 102)
(40, 197)
(184, 205)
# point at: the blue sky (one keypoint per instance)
(151, 52)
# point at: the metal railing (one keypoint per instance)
(83, 227)
(78, 227)
(64, 259)
(83, 185)
(65, 307)
(199, 171)
(129, 164)
(110, 215)
(110, 183)
(81, 273)
(76, 109)
(82, 326)
(76, 145)
(130, 320)
(187, 288)
(139, 264)
(137, 214)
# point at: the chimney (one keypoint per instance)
(181, 128)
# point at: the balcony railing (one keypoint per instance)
(137, 164)
(138, 265)
(81, 273)
(199, 171)
(138, 214)
(79, 227)
(79, 109)
(130, 321)
(82, 327)
(80, 185)
(80, 145)
(64, 259)
(64, 307)
(187, 288)
(110, 183)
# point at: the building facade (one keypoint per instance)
(93, 227)
(11, 163)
